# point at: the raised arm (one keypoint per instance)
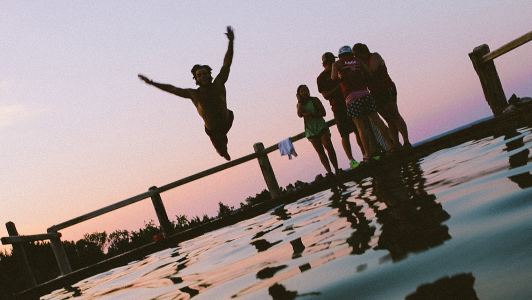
(334, 72)
(228, 59)
(185, 93)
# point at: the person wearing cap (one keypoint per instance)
(384, 92)
(353, 76)
(332, 91)
(209, 98)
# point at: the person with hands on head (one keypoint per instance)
(209, 98)
(316, 129)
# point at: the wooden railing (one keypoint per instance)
(482, 60)
(261, 154)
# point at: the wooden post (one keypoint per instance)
(20, 253)
(60, 255)
(489, 79)
(267, 172)
(158, 205)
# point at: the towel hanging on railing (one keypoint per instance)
(287, 148)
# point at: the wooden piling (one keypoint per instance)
(158, 205)
(489, 79)
(20, 253)
(60, 256)
(267, 171)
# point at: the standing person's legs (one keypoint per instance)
(363, 131)
(390, 113)
(327, 143)
(318, 146)
(345, 127)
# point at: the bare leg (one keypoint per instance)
(363, 132)
(327, 143)
(346, 144)
(359, 141)
(396, 123)
(318, 146)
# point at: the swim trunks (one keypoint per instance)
(314, 127)
(361, 107)
(385, 96)
(344, 123)
(219, 135)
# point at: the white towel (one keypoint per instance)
(286, 148)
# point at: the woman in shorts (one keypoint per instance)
(316, 129)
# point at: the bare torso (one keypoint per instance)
(211, 104)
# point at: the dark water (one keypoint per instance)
(456, 224)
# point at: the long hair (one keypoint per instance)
(300, 87)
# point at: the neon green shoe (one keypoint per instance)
(353, 164)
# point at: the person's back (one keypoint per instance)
(351, 75)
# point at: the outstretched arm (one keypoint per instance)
(185, 93)
(228, 59)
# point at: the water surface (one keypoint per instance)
(456, 221)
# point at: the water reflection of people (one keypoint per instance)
(456, 287)
(519, 159)
(279, 292)
(411, 221)
(363, 232)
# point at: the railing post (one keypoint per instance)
(20, 253)
(489, 79)
(267, 172)
(60, 255)
(158, 205)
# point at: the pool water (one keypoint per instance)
(456, 224)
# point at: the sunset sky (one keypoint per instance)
(80, 131)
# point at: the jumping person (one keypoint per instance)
(209, 98)
(353, 76)
(383, 91)
(316, 129)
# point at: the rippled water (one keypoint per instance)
(457, 221)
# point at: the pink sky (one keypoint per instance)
(79, 131)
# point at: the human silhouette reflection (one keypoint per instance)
(281, 213)
(519, 159)
(412, 220)
(458, 287)
(361, 236)
(279, 292)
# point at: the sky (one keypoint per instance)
(79, 130)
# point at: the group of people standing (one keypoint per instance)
(360, 92)
(357, 86)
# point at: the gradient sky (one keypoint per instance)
(79, 130)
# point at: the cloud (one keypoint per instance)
(16, 113)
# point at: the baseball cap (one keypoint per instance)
(345, 49)
(328, 57)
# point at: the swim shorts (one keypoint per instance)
(363, 106)
(219, 135)
(385, 96)
(324, 132)
(344, 123)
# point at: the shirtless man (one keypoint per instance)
(209, 98)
